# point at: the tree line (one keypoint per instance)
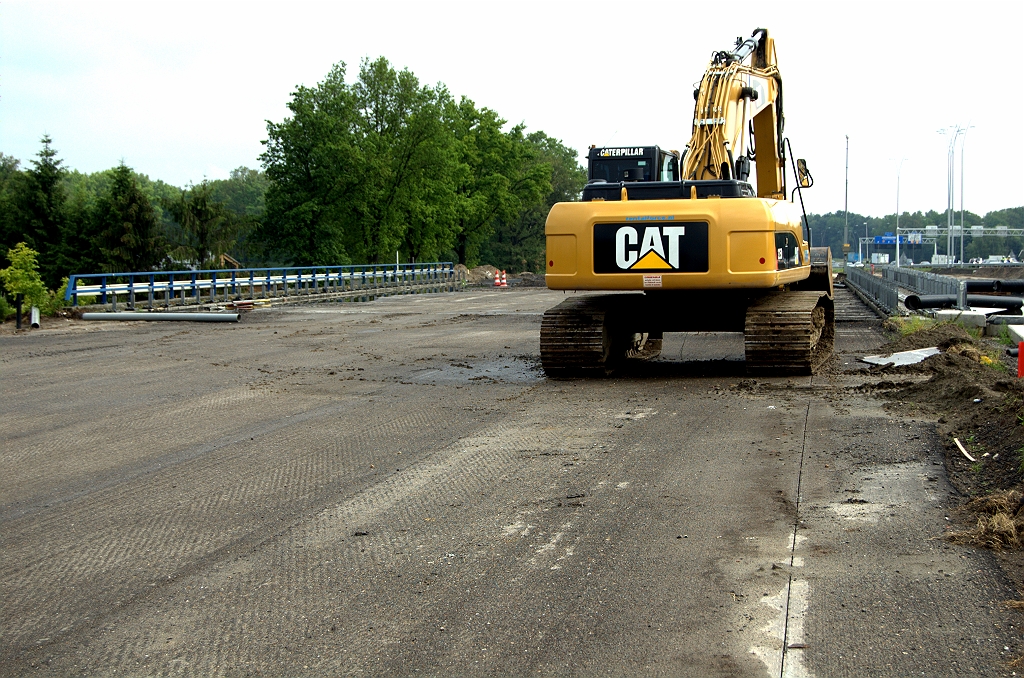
(358, 172)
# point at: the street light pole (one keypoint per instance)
(962, 144)
(846, 199)
(953, 133)
(898, 171)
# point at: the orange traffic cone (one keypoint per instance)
(497, 279)
(504, 280)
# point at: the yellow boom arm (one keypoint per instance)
(739, 100)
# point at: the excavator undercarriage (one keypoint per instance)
(786, 332)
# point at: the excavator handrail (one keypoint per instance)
(799, 188)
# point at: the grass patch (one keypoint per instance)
(1004, 336)
(904, 325)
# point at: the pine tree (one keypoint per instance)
(44, 208)
(129, 239)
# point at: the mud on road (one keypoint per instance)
(394, 488)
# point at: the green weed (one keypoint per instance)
(1004, 336)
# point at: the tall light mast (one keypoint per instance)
(846, 203)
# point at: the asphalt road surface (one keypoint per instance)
(394, 488)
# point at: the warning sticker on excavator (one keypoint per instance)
(671, 246)
(652, 281)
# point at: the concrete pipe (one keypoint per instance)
(180, 317)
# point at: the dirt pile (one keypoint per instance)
(527, 279)
(480, 275)
(974, 391)
(992, 272)
(483, 276)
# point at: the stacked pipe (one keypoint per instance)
(987, 296)
(917, 302)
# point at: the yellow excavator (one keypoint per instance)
(699, 246)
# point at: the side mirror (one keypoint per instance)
(806, 180)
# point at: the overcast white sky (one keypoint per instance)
(181, 90)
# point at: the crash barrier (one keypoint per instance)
(921, 282)
(884, 293)
(181, 288)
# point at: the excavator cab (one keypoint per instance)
(631, 163)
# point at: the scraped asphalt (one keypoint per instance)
(394, 488)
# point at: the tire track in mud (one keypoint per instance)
(98, 541)
(293, 564)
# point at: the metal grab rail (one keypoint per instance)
(256, 282)
(884, 292)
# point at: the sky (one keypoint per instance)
(181, 91)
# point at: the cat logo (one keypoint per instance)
(651, 254)
(640, 248)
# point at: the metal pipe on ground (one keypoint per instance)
(34, 318)
(917, 302)
(180, 317)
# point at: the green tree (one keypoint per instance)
(362, 171)
(80, 242)
(244, 195)
(520, 244)
(502, 175)
(313, 164)
(13, 188)
(128, 233)
(43, 206)
(206, 228)
(406, 194)
(22, 276)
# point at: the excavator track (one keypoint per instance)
(574, 338)
(789, 332)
